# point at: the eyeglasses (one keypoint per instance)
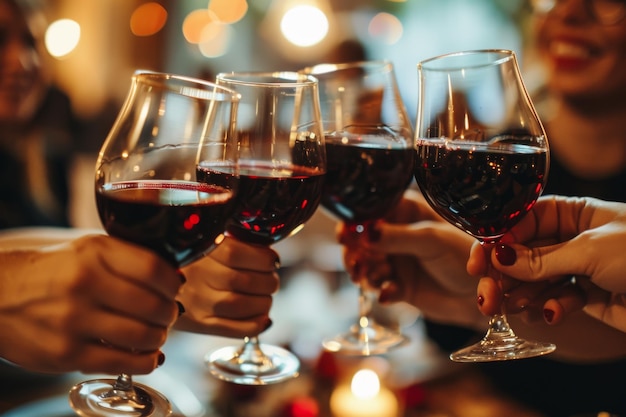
(605, 12)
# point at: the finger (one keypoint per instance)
(240, 255)
(116, 255)
(207, 274)
(525, 295)
(553, 302)
(225, 327)
(477, 263)
(489, 296)
(99, 358)
(135, 302)
(569, 301)
(122, 332)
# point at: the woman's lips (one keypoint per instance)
(570, 55)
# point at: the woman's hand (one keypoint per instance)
(568, 254)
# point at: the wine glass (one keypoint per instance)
(147, 194)
(369, 147)
(482, 162)
(282, 165)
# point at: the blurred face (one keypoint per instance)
(584, 58)
(19, 65)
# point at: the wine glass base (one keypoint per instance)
(276, 365)
(373, 339)
(98, 398)
(502, 350)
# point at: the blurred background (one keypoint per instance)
(96, 45)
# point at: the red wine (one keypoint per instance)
(272, 202)
(482, 189)
(178, 220)
(364, 181)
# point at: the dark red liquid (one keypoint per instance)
(363, 182)
(178, 220)
(482, 190)
(272, 203)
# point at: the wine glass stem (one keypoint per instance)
(366, 301)
(251, 352)
(123, 393)
(498, 324)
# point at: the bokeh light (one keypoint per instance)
(215, 39)
(386, 28)
(62, 37)
(195, 23)
(229, 11)
(304, 25)
(148, 19)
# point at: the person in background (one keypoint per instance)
(561, 238)
(37, 126)
(421, 259)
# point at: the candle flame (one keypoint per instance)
(365, 384)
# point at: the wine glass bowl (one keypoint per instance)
(282, 165)
(482, 163)
(147, 194)
(369, 148)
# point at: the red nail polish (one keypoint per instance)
(505, 255)
(548, 315)
(268, 324)
(480, 300)
(161, 359)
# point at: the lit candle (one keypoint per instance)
(363, 398)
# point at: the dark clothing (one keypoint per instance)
(554, 388)
(34, 188)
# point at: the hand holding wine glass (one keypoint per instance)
(147, 194)
(369, 146)
(281, 171)
(482, 162)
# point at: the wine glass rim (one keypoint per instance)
(435, 63)
(267, 78)
(188, 86)
(328, 67)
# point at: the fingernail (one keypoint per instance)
(268, 324)
(480, 300)
(277, 263)
(548, 315)
(373, 233)
(181, 308)
(182, 277)
(161, 359)
(505, 255)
